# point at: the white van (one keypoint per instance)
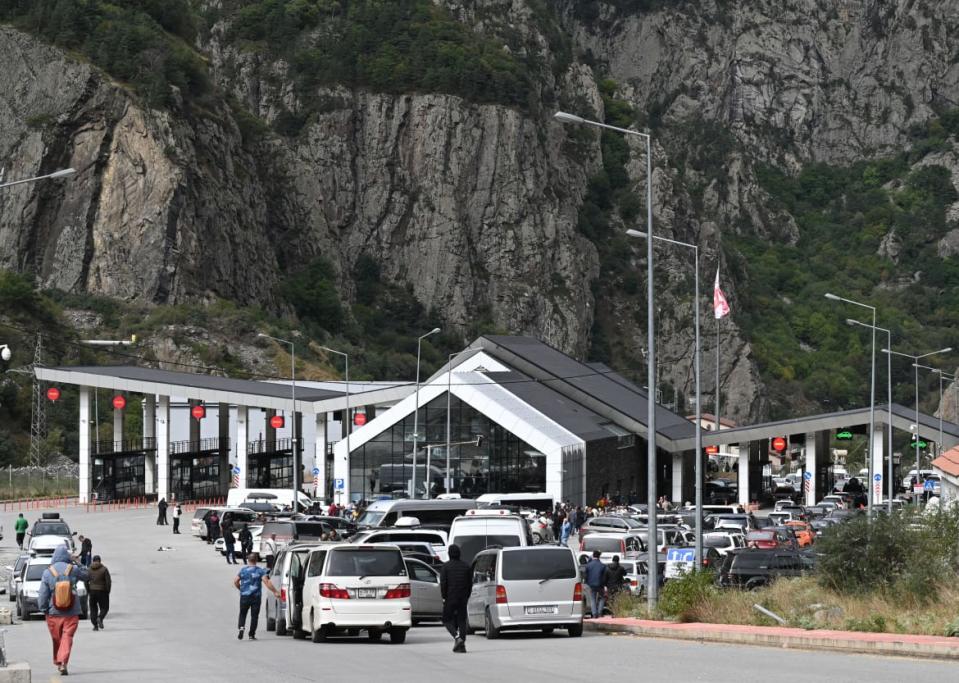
(541, 502)
(385, 513)
(526, 589)
(349, 588)
(480, 529)
(278, 497)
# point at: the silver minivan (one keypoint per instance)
(287, 575)
(526, 588)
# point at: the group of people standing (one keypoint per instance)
(162, 507)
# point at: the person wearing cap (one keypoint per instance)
(98, 590)
(456, 584)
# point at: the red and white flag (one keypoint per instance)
(720, 305)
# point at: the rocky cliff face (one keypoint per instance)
(472, 206)
(157, 211)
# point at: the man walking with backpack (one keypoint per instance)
(58, 601)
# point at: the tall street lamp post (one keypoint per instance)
(915, 367)
(942, 376)
(652, 579)
(293, 442)
(348, 420)
(850, 321)
(416, 410)
(872, 396)
(699, 415)
(62, 173)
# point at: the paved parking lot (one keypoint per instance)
(173, 616)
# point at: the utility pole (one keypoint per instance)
(38, 412)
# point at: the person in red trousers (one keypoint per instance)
(59, 602)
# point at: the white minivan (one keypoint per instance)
(481, 529)
(526, 588)
(354, 587)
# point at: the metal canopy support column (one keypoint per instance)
(163, 447)
(223, 417)
(149, 438)
(809, 469)
(242, 442)
(270, 431)
(878, 463)
(677, 479)
(118, 414)
(743, 471)
(319, 456)
(84, 453)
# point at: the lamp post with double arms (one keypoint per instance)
(699, 415)
(348, 420)
(416, 410)
(652, 578)
(915, 367)
(293, 441)
(850, 321)
(872, 396)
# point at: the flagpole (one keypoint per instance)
(718, 323)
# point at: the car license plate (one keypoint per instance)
(366, 592)
(543, 609)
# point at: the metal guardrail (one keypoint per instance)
(263, 446)
(123, 446)
(214, 444)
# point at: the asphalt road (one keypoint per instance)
(173, 617)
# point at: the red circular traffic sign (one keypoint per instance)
(277, 422)
(779, 444)
(119, 402)
(53, 393)
(359, 419)
(198, 412)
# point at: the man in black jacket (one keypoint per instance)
(456, 583)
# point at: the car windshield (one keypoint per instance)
(366, 562)
(35, 571)
(51, 529)
(370, 518)
(283, 530)
(603, 544)
(538, 564)
(470, 545)
(717, 541)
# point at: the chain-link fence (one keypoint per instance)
(61, 478)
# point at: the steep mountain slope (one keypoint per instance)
(399, 162)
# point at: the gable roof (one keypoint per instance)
(592, 385)
(948, 462)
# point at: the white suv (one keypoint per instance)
(353, 587)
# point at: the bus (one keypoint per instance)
(384, 513)
(541, 502)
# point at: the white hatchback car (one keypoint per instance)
(354, 587)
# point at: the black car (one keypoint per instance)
(720, 492)
(752, 568)
(344, 527)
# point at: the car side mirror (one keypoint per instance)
(74, 533)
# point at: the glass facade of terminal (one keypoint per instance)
(502, 463)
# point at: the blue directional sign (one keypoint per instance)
(316, 471)
(681, 555)
(929, 485)
(807, 476)
(877, 477)
(236, 470)
(339, 484)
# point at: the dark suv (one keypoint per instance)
(752, 568)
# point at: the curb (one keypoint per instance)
(883, 644)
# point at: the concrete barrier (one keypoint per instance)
(885, 644)
(15, 672)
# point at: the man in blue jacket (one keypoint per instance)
(62, 617)
(595, 580)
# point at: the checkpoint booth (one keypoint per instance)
(202, 434)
